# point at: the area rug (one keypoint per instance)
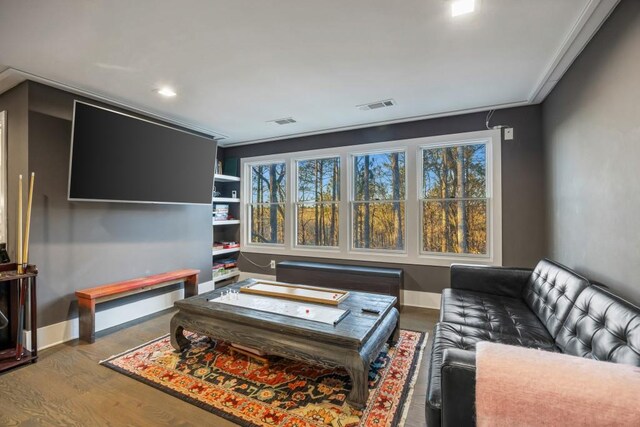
(286, 394)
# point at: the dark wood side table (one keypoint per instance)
(10, 278)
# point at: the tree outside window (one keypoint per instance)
(378, 205)
(317, 202)
(454, 199)
(266, 210)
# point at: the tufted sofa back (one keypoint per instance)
(551, 292)
(602, 326)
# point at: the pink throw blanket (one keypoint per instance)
(516, 386)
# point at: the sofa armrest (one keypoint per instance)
(458, 387)
(504, 281)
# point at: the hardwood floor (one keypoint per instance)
(67, 386)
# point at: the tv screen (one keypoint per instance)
(119, 158)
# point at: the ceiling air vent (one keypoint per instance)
(376, 105)
(285, 121)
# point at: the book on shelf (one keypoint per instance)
(221, 212)
(221, 271)
(225, 245)
(226, 263)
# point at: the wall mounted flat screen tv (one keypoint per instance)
(119, 158)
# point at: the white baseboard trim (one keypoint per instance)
(206, 286)
(55, 334)
(68, 330)
(420, 299)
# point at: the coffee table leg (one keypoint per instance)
(359, 373)
(176, 333)
(395, 336)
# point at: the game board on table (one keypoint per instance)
(298, 309)
(296, 292)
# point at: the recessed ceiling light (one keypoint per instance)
(167, 91)
(462, 7)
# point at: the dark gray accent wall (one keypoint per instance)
(82, 244)
(592, 144)
(15, 103)
(522, 184)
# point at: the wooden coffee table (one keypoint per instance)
(352, 343)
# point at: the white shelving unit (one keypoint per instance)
(217, 252)
(225, 200)
(226, 184)
(227, 222)
(226, 178)
(226, 276)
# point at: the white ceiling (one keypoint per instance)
(238, 64)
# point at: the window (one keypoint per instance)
(268, 196)
(430, 201)
(317, 204)
(378, 203)
(454, 199)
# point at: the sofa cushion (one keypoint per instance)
(551, 292)
(449, 335)
(504, 315)
(602, 326)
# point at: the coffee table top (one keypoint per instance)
(354, 329)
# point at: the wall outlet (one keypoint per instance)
(273, 263)
(508, 134)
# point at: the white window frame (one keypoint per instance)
(488, 198)
(246, 208)
(352, 201)
(294, 213)
(413, 230)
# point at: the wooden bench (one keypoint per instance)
(88, 298)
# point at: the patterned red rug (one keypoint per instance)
(286, 394)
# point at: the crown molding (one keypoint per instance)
(589, 21)
(594, 14)
(379, 123)
(12, 77)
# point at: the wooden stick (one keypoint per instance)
(19, 246)
(25, 255)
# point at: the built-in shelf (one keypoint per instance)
(226, 276)
(227, 222)
(226, 233)
(226, 178)
(224, 251)
(225, 199)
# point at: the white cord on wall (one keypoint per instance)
(257, 265)
(489, 116)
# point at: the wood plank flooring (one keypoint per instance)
(67, 387)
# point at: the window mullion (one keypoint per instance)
(289, 204)
(411, 221)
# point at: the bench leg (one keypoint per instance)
(87, 312)
(191, 286)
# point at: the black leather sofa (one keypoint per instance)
(550, 308)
